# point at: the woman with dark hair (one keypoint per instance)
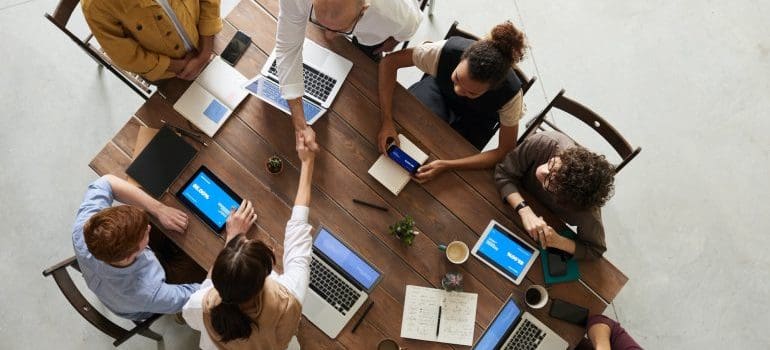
(469, 84)
(571, 181)
(245, 304)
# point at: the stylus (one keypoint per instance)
(375, 206)
(360, 319)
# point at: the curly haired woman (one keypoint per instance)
(569, 180)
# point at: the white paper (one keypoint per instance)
(421, 315)
(224, 82)
(389, 173)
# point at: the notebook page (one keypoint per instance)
(224, 82)
(421, 315)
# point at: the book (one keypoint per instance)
(389, 173)
(212, 97)
(438, 315)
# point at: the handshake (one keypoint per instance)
(306, 145)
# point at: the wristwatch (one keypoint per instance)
(520, 206)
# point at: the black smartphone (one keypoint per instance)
(235, 49)
(569, 312)
(403, 159)
(557, 264)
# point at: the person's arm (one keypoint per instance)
(171, 218)
(239, 221)
(388, 68)
(590, 244)
(599, 335)
(170, 298)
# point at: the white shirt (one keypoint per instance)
(297, 245)
(383, 19)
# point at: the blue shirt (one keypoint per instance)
(136, 291)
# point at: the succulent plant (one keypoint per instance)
(404, 230)
(274, 165)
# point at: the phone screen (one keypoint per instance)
(569, 312)
(236, 48)
(403, 159)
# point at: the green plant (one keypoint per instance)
(274, 165)
(404, 230)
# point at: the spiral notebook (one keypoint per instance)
(389, 173)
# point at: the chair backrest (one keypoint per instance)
(590, 118)
(526, 83)
(85, 309)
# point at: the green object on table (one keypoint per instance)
(573, 273)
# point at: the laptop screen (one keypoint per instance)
(500, 327)
(505, 252)
(346, 259)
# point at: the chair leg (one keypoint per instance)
(149, 333)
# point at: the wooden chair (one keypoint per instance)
(590, 118)
(61, 17)
(85, 309)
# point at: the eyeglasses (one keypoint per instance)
(548, 181)
(313, 20)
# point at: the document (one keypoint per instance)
(389, 173)
(437, 315)
(213, 96)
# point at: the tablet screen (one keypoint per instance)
(209, 198)
(505, 252)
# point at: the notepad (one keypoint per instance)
(212, 97)
(421, 315)
(389, 173)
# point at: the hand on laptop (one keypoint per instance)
(171, 218)
(240, 220)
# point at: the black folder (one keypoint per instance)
(161, 161)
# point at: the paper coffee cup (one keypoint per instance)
(388, 344)
(536, 296)
(456, 252)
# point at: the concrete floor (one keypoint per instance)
(686, 80)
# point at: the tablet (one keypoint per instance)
(505, 252)
(209, 198)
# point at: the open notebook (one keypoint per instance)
(389, 173)
(212, 97)
(438, 315)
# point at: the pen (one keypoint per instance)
(375, 206)
(191, 134)
(360, 319)
(438, 324)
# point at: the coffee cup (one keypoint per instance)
(536, 296)
(457, 252)
(388, 344)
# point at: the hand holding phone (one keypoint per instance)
(404, 160)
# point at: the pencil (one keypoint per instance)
(375, 206)
(438, 324)
(366, 311)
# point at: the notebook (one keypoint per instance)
(389, 173)
(573, 272)
(143, 137)
(437, 315)
(213, 96)
(161, 161)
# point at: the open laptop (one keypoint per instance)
(513, 329)
(323, 72)
(340, 281)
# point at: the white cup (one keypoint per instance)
(536, 296)
(457, 252)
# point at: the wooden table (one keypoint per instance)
(455, 206)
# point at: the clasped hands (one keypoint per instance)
(540, 231)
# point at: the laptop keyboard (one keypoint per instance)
(331, 287)
(527, 337)
(317, 84)
(270, 90)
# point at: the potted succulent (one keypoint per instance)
(274, 165)
(404, 230)
(452, 282)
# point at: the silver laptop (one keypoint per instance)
(323, 72)
(513, 329)
(340, 281)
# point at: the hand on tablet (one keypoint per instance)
(240, 220)
(171, 218)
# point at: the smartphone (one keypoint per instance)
(403, 159)
(557, 264)
(569, 312)
(235, 49)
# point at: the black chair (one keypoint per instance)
(61, 17)
(85, 309)
(588, 117)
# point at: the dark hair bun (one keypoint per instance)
(509, 40)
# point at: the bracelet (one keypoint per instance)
(520, 206)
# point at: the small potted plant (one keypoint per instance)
(452, 282)
(274, 165)
(404, 230)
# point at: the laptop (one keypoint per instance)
(340, 281)
(513, 329)
(323, 72)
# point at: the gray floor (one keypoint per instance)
(686, 80)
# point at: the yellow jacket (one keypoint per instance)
(139, 37)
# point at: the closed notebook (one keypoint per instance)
(212, 97)
(161, 161)
(389, 173)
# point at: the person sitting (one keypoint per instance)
(245, 304)
(111, 248)
(156, 39)
(376, 26)
(569, 180)
(469, 84)
(606, 334)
